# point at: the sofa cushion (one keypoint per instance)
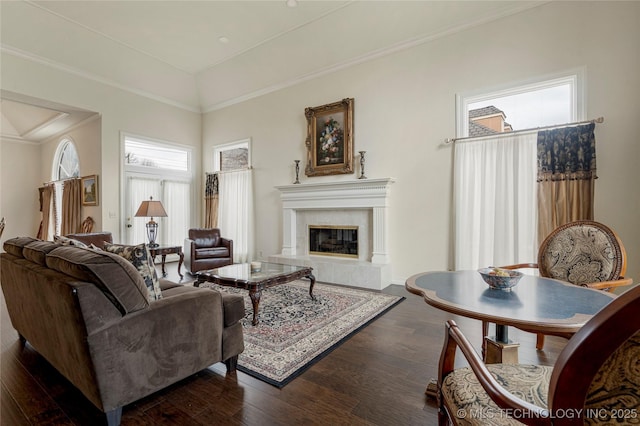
(66, 241)
(37, 251)
(209, 252)
(15, 245)
(140, 258)
(115, 276)
(98, 239)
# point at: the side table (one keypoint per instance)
(164, 251)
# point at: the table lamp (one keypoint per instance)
(151, 208)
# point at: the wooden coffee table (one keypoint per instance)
(240, 275)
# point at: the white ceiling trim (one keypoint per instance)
(14, 139)
(90, 76)
(408, 44)
(41, 126)
(72, 128)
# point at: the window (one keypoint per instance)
(541, 103)
(495, 167)
(65, 165)
(232, 156)
(161, 170)
(155, 156)
(232, 161)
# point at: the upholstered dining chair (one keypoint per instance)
(87, 225)
(585, 253)
(594, 379)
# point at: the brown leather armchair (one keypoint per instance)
(206, 249)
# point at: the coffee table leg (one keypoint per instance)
(312, 281)
(255, 301)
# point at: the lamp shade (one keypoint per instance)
(151, 208)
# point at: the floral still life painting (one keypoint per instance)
(331, 142)
(330, 139)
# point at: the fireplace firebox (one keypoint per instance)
(329, 240)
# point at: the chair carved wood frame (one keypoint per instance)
(583, 252)
(585, 386)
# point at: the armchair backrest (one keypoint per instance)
(582, 252)
(599, 364)
(205, 237)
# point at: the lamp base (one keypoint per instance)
(153, 245)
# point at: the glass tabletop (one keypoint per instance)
(244, 271)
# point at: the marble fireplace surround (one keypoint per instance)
(362, 202)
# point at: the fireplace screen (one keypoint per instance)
(333, 240)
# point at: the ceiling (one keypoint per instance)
(205, 55)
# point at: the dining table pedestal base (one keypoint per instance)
(499, 352)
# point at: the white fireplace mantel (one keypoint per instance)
(357, 194)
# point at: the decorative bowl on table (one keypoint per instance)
(501, 279)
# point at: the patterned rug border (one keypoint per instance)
(394, 301)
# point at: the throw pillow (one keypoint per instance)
(140, 258)
(65, 241)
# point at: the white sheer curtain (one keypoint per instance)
(141, 189)
(235, 218)
(495, 201)
(176, 202)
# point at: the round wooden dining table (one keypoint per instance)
(535, 304)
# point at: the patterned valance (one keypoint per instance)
(567, 153)
(211, 185)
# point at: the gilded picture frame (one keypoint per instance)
(90, 190)
(330, 138)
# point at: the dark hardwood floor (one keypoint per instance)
(377, 377)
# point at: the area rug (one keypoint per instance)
(295, 332)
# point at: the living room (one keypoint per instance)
(405, 107)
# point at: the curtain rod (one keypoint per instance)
(60, 180)
(598, 120)
(228, 171)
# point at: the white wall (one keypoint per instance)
(405, 108)
(87, 139)
(19, 182)
(121, 111)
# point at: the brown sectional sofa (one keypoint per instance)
(87, 312)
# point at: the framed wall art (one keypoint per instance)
(330, 138)
(90, 190)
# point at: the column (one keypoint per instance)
(380, 249)
(288, 232)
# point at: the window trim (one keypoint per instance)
(574, 77)
(241, 143)
(165, 174)
(60, 150)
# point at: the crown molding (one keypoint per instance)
(72, 128)
(10, 50)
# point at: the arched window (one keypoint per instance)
(65, 165)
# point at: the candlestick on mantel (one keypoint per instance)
(362, 176)
(297, 171)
